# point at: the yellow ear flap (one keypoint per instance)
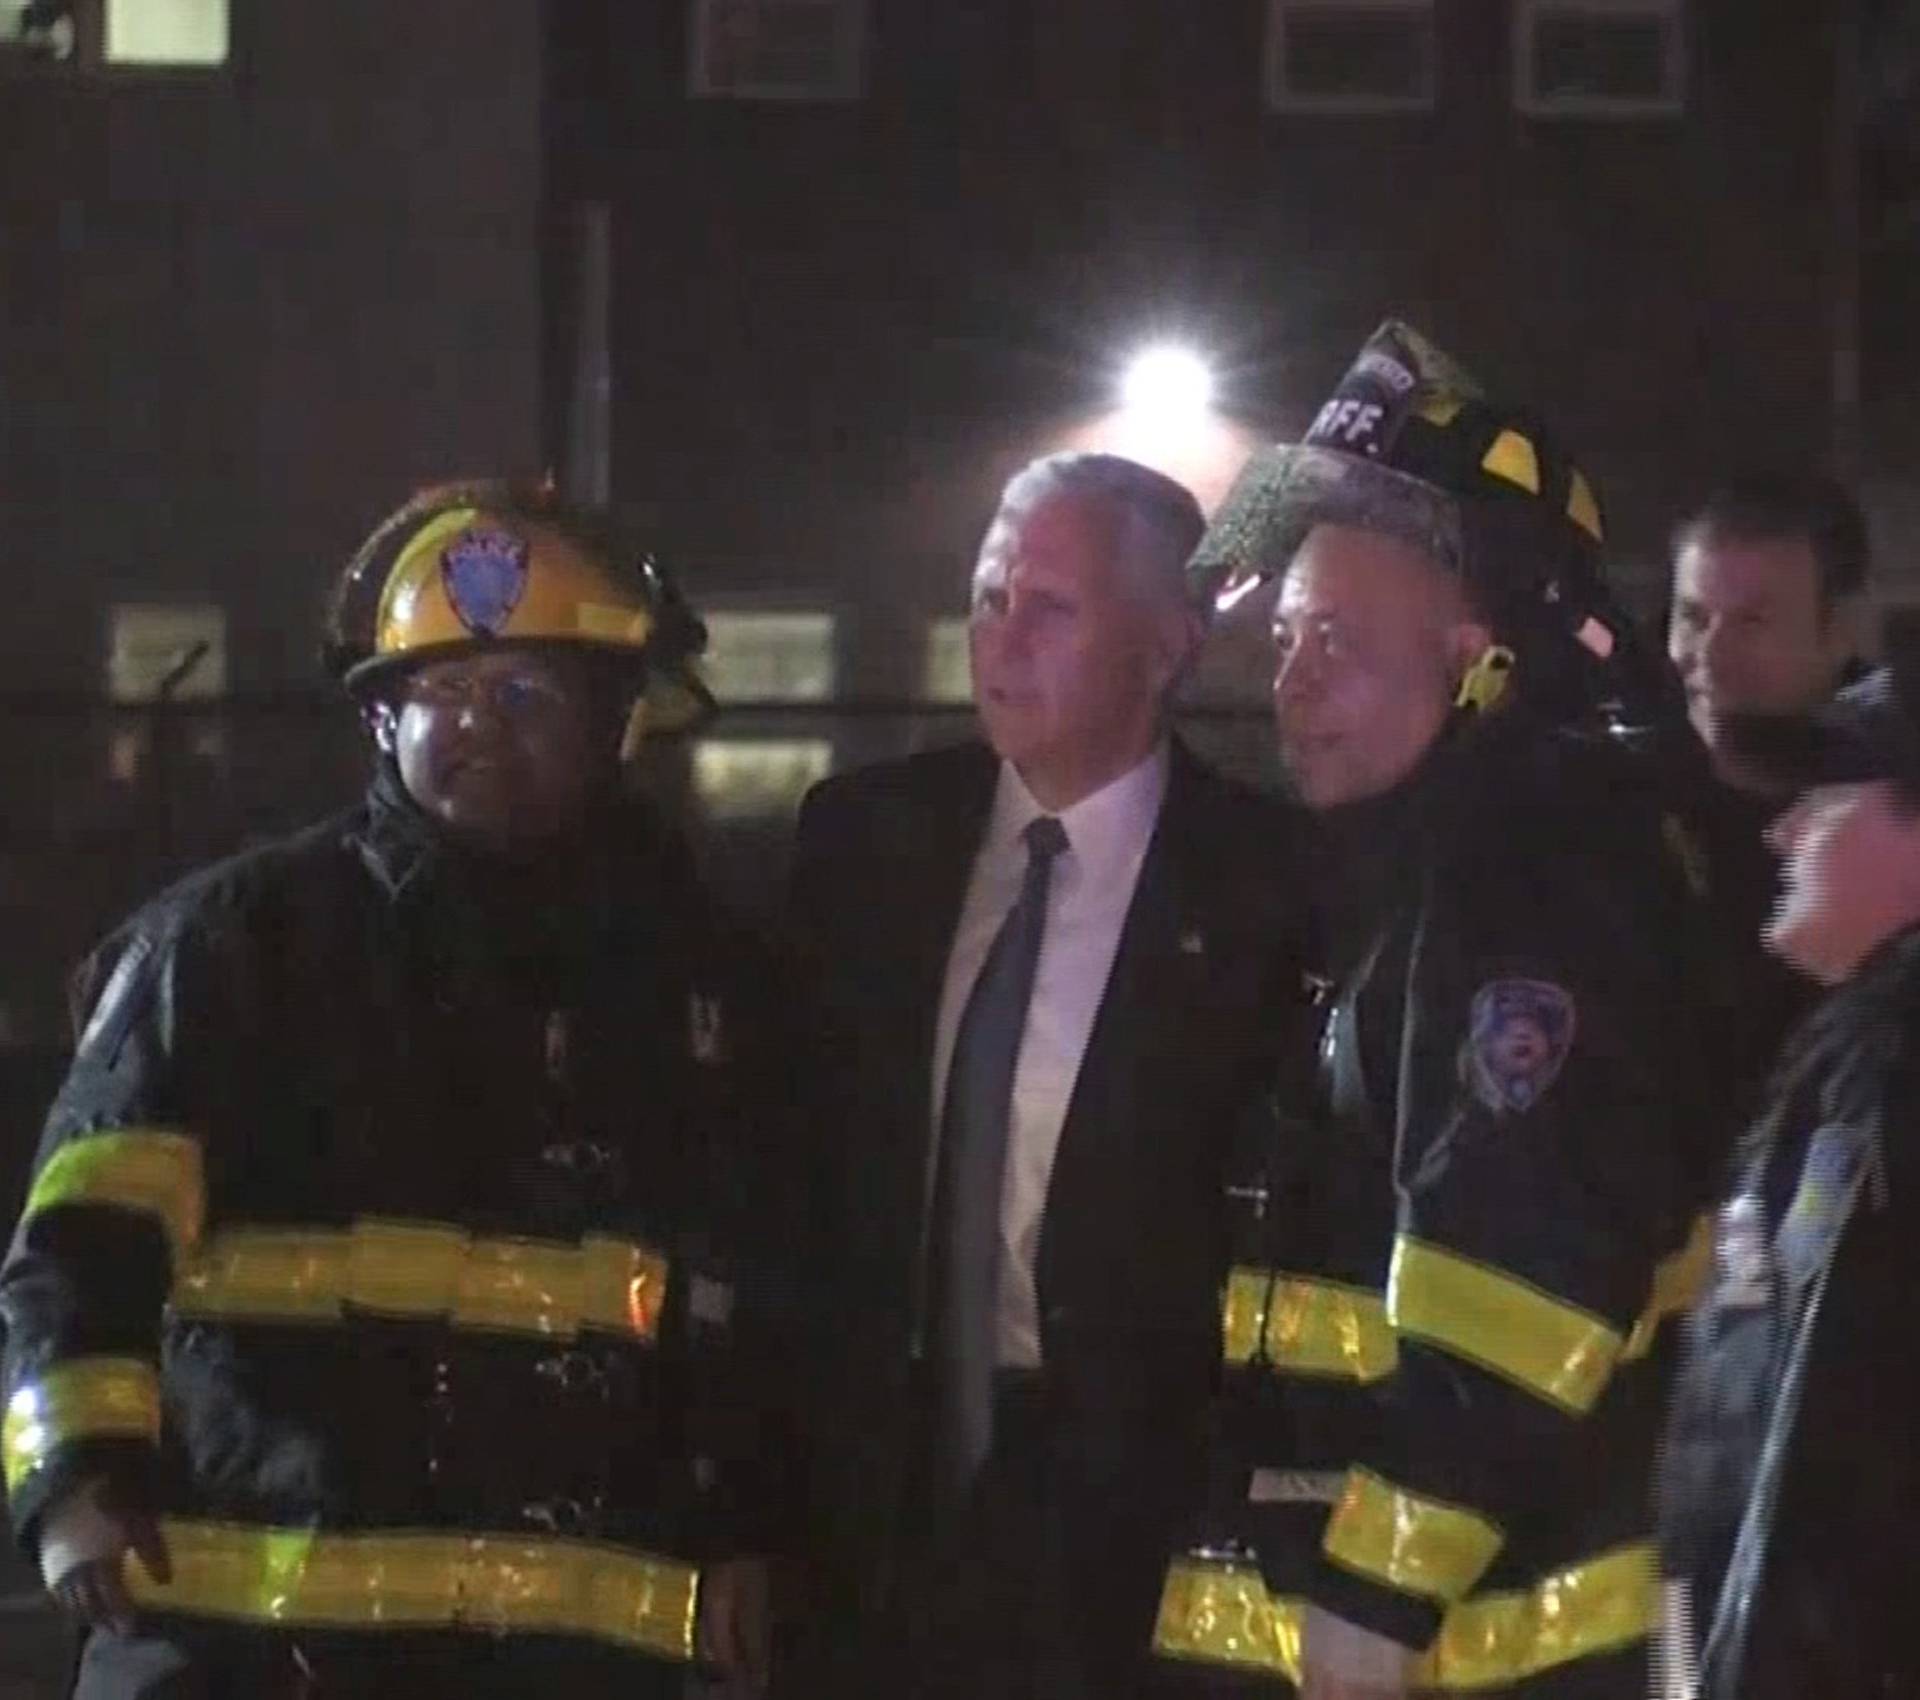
(1486, 680)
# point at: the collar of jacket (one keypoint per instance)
(620, 880)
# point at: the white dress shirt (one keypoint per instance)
(1088, 896)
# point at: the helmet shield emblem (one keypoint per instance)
(485, 573)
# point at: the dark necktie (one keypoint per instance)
(965, 1229)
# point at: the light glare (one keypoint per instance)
(1168, 383)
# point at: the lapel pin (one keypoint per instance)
(1191, 943)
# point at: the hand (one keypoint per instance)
(89, 1538)
(734, 1634)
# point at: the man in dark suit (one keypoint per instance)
(1044, 981)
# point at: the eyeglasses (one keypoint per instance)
(511, 696)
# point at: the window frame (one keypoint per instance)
(850, 83)
(89, 60)
(1277, 98)
(1530, 102)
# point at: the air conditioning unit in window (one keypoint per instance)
(1599, 58)
(778, 49)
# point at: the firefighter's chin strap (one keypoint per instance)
(1486, 681)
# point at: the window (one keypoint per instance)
(770, 657)
(1599, 58)
(948, 675)
(1350, 55)
(191, 35)
(181, 649)
(749, 778)
(166, 32)
(778, 49)
(34, 32)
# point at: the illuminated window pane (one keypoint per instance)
(770, 657)
(39, 35)
(740, 779)
(154, 647)
(949, 674)
(167, 32)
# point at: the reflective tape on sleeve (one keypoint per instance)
(1677, 1281)
(1407, 1541)
(81, 1399)
(1304, 1326)
(1218, 1612)
(149, 1170)
(1554, 1350)
(1215, 1611)
(425, 1270)
(486, 1583)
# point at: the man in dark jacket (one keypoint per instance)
(1020, 1225)
(1769, 602)
(1440, 1332)
(369, 1321)
(1790, 1473)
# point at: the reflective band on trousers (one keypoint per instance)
(1306, 1326)
(490, 1583)
(1219, 1612)
(151, 1170)
(1418, 1545)
(1552, 1349)
(81, 1399)
(425, 1269)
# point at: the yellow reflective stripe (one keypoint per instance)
(1306, 1327)
(1418, 1545)
(1325, 1328)
(81, 1399)
(1607, 1603)
(1582, 509)
(485, 1582)
(143, 1169)
(1512, 457)
(1554, 1350)
(1677, 1282)
(1218, 1612)
(1243, 1312)
(426, 1269)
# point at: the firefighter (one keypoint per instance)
(1789, 1475)
(371, 1322)
(1441, 1333)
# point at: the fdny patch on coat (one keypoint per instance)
(484, 570)
(1518, 1036)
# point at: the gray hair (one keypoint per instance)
(1159, 523)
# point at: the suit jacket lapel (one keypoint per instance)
(940, 836)
(1143, 990)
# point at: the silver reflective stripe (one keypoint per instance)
(1676, 1648)
(1295, 1487)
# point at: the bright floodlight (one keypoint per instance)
(1168, 383)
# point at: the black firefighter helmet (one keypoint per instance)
(1411, 446)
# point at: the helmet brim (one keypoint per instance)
(1283, 492)
(672, 694)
